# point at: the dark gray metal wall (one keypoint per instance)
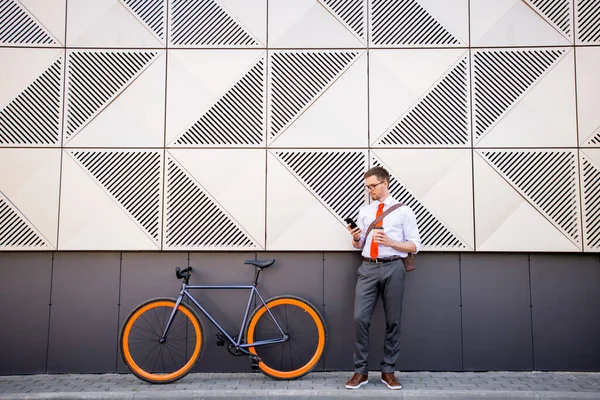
(61, 311)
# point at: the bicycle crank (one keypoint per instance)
(235, 351)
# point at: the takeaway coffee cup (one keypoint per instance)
(376, 234)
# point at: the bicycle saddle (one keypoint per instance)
(260, 263)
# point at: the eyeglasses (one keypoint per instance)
(369, 188)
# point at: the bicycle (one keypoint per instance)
(162, 339)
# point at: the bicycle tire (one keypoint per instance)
(304, 325)
(156, 362)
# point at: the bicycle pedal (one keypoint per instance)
(254, 360)
(220, 339)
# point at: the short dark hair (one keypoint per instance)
(380, 172)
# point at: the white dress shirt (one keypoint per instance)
(399, 225)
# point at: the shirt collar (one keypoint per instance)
(388, 201)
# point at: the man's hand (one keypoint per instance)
(383, 239)
(356, 232)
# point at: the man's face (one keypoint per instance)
(377, 188)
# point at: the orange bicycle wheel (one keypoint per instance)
(301, 322)
(146, 356)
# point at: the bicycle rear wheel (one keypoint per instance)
(157, 362)
(305, 328)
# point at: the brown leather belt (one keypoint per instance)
(382, 260)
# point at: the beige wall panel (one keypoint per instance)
(520, 23)
(587, 22)
(590, 190)
(111, 200)
(217, 23)
(588, 95)
(33, 23)
(31, 97)
(438, 183)
(233, 180)
(419, 98)
(216, 98)
(317, 23)
(113, 23)
(507, 220)
(524, 97)
(29, 198)
(419, 23)
(132, 116)
(336, 114)
(307, 202)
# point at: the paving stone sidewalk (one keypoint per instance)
(317, 385)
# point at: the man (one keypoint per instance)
(381, 274)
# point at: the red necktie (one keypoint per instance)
(375, 246)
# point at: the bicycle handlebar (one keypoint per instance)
(183, 273)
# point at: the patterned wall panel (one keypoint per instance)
(521, 22)
(32, 23)
(29, 198)
(111, 199)
(116, 23)
(437, 185)
(317, 99)
(588, 96)
(216, 98)
(527, 199)
(214, 199)
(420, 98)
(309, 193)
(590, 193)
(587, 21)
(115, 98)
(524, 98)
(418, 23)
(246, 124)
(31, 100)
(217, 23)
(318, 23)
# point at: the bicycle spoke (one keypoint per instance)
(150, 326)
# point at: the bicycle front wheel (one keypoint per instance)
(146, 356)
(301, 322)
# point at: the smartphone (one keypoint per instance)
(351, 222)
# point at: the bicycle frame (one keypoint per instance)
(237, 343)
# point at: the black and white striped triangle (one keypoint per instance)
(343, 195)
(352, 13)
(558, 13)
(133, 178)
(237, 118)
(588, 21)
(298, 78)
(152, 13)
(18, 26)
(594, 140)
(547, 179)
(503, 77)
(440, 117)
(16, 232)
(406, 22)
(33, 117)
(206, 23)
(95, 78)
(195, 220)
(591, 203)
(435, 234)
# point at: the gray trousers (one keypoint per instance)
(374, 280)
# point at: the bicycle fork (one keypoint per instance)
(163, 337)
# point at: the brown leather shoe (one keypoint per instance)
(357, 381)
(390, 380)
